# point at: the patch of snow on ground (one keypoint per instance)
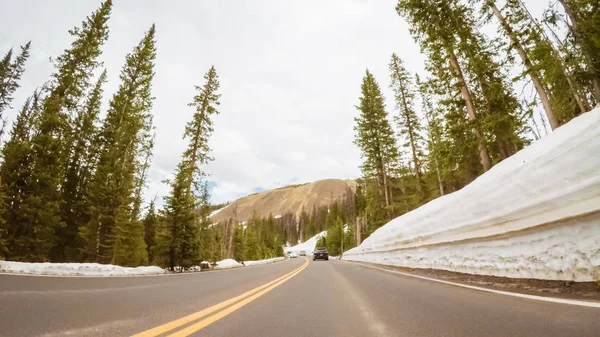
(534, 215)
(308, 246)
(213, 213)
(228, 263)
(254, 263)
(75, 269)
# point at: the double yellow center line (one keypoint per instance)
(229, 306)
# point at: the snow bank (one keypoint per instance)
(308, 246)
(215, 212)
(75, 269)
(228, 263)
(254, 263)
(534, 215)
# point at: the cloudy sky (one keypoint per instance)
(290, 74)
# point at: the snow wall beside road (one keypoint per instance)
(534, 215)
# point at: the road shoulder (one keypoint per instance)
(565, 290)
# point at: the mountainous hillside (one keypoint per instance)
(288, 199)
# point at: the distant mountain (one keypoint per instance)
(289, 199)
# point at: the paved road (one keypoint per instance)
(323, 299)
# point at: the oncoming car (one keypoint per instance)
(293, 255)
(320, 253)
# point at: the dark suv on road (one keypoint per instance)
(320, 253)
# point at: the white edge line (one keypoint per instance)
(500, 292)
(142, 275)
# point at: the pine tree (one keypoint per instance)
(10, 74)
(408, 121)
(114, 232)
(434, 132)
(430, 26)
(79, 170)
(239, 244)
(458, 157)
(181, 219)
(40, 206)
(584, 25)
(252, 245)
(570, 57)
(150, 228)
(375, 138)
(334, 236)
(129, 247)
(495, 100)
(14, 174)
(205, 236)
(560, 93)
(532, 71)
(180, 205)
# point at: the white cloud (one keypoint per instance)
(290, 75)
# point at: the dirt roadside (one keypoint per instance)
(589, 291)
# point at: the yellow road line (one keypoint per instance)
(211, 319)
(197, 315)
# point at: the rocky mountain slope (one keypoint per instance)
(288, 199)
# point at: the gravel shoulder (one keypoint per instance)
(589, 291)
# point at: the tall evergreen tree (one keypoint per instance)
(431, 27)
(206, 237)
(495, 100)
(239, 241)
(180, 205)
(375, 138)
(584, 25)
(14, 174)
(562, 94)
(10, 74)
(40, 206)
(408, 121)
(79, 170)
(531, 70)
(113, 232)
(434, 132)
(129, 247)
(150, 229)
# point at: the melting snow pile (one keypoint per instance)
(228, 263)
(307, 246)
(534, 215)
(254, 263)
(75, 269)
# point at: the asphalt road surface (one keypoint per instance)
(291, 298)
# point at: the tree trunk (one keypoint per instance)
(484, 156)
(230, 244)
(358, 220)
(392, 199)
(413, 147)
(403, 190)
(439, 177)
(437, 169)
(435, 159)
(385, 189)
(537, 83)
